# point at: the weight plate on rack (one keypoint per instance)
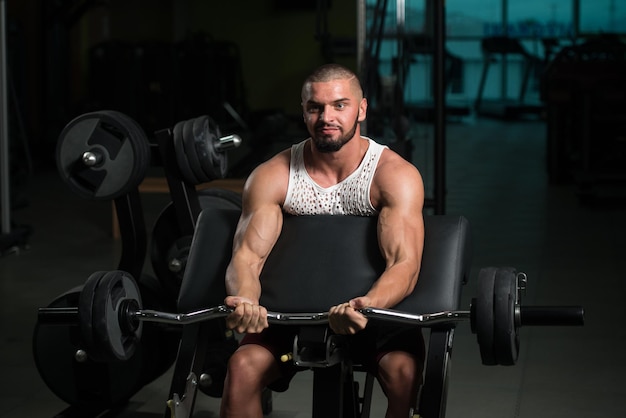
(181, 158)
(102, 155)
(191, 152)
(214, 162)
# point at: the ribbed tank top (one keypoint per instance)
(351, 196)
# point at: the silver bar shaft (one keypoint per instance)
(407, 318)
(313, 318)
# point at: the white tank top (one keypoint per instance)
(351, 196)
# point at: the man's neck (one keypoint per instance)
(330, 168)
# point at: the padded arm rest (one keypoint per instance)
(203, 283)
(320, 261)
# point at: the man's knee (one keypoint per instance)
(252, 365)
(400, 368)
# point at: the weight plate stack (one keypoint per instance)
(116, 293)
(74, 377)
(485, 315)
(506, 335)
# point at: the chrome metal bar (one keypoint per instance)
(148, 315)
(415, 319)
(307, 318)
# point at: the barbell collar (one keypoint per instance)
(227, 142)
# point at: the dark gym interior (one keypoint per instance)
(522, 134)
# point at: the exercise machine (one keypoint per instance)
(504, 47)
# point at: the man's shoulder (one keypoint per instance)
(395, 168)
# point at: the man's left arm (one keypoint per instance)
(399, 193)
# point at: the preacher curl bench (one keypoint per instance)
(318, 262)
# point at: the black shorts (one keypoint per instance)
(366, 347)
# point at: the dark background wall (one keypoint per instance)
(67, 57)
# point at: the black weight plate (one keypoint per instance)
(141, 144)
(506, 337)
(220, 159)
(214, 163)
(204, 147)
(114, 341)
(485, 315)
(181, 157)
(85, 316)
(123, 149)
(191, 153)
(88, 384)
(166, 233)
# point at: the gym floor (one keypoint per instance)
(496, 177)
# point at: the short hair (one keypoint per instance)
(329, 72)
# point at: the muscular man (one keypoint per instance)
(335, 171)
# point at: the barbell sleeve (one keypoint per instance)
(227, 142)
(552, 315)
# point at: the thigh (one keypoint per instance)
(372, 344)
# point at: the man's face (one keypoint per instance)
(332, 111)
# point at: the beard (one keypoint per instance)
(327, 144)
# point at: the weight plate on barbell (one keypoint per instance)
(506, 336)
(79, 381)
(118, 154)
(85, 316)
(109, 315)
(485, 315)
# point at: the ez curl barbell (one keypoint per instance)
(110, 316)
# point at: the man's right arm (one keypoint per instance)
(257, 231)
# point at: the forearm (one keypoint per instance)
(242, 280)
(396, 283)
